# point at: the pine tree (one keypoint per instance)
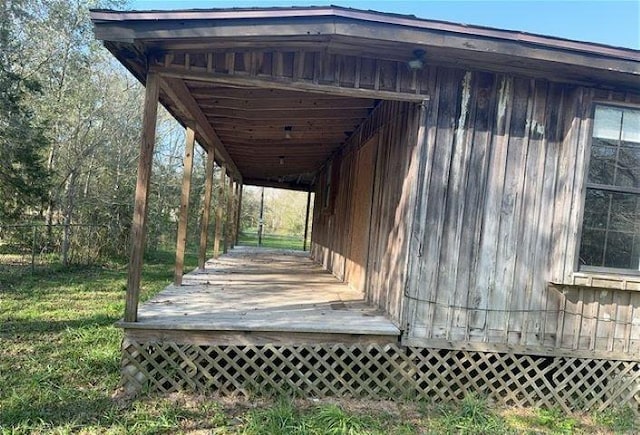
(23, 178)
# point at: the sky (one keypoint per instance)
(611, 22)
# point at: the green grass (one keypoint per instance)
(618, 419)
(59, 353)
(275, 241)
(59, 370)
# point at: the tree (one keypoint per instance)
(23, 178)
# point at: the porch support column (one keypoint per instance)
(184, 206)
(234, 215)
(219, 211)
(239, 211)
(140, 208)
(228, 230)
(204, 225)
(306, 221)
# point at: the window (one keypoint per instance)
(611, 223)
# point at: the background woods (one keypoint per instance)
(70, 134)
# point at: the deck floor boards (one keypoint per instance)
(252, 289)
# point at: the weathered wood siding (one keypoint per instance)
(497, 220)
(361, 235)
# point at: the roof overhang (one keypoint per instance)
(187, 49)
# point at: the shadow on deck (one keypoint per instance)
(253, 290)
(263, 321)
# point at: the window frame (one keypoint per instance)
(589, 269)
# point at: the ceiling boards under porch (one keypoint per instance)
(279, 115)
(276, 91)
(280, 137)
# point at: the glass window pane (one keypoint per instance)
(592, 247)
(603, 164)
(611, 230)
(596, 209)
(607, 122)
(631, 126)
(619, 252)
(624, 212)
(628, 172)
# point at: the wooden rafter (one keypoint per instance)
(179, 94)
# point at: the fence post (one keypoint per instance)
(33, 249)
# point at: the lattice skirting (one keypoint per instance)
(382, 371)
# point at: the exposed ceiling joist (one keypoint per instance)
(179, 94)
(237, 80)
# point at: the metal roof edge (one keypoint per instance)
(105, 16)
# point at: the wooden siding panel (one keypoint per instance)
(535, 259)
(454, 211)
(507, 317)
(436, 312)
(475, 203)
(497, 220)
(361, 215)
(417, 293)
(365, 234)
(395, 189)
(486, 282)
(483, 233)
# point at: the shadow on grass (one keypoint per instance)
(75, 411)
(12, 327)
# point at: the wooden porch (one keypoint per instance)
(256, 295)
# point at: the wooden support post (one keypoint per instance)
(140, 208)
(228, 230)
(219, 211)
(239, 212)
(236, 205)
(184, 206)
(306, 222)
(204, 225)
(231, 216)
(261, 221)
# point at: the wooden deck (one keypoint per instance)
(272, 293)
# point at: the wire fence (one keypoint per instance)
(37, 245)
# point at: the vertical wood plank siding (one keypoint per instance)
(475, 239)
(498, 216)
(361, 236)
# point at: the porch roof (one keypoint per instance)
(266, 87)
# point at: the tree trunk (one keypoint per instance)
(70, 197)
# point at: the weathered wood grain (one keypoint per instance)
(206, 209)
(184, 206)
(141, 204)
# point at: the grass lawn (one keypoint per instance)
(59, 370)
(250, 238)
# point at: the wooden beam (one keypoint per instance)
(278, 185)
(184, 206)
(236, 202)
(204, 226)
(239, 214)
(219, 210)
(306, 222)
(281, 83)
(201, 89)
(140, 208)
(228, 218)
(290, 104)
(271, 134)
(312, 124)
(288, 115)
(179, 94)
